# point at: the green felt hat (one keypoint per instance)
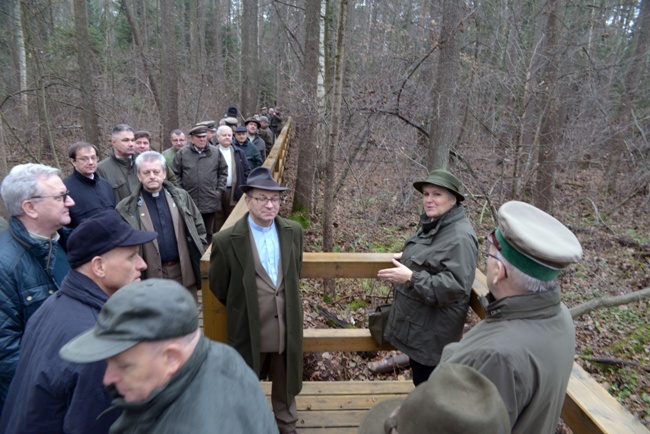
(441, 178)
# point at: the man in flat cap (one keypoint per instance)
(526, 343)
(252, 153)
(159, 206)
(455, 399)
(119, 167)
(50, 395)
(212, 130)
(255, 272)
(168, 378)
(266, 134)
(202, 171)
(232, 122)
(252, 125)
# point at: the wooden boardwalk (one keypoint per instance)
(339, 406)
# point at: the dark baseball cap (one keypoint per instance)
(148, 310)
(101, 233)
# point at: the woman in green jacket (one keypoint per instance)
(432, 277)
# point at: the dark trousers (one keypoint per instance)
(286, 412)
(420, 372)
(208, 221)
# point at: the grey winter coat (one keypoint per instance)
(203, 175)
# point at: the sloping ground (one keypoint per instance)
(377, 209)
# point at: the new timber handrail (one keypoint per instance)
(588, 408)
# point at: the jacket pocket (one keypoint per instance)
(410, 318)
(423, 262)
(35, 296)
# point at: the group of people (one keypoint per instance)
(99, 275)
(134, 224)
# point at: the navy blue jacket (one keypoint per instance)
(242, 169)
(91, 196)
(49, 394)
(30, 271)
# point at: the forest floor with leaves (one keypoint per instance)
(613, 344)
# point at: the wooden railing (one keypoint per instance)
(588, 408)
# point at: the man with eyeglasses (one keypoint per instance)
(92, 194)
(159, 206)
(255, 272)
(526, 343)
(32, 254)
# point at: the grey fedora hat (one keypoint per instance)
(261, 178)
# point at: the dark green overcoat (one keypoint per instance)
(232, 280)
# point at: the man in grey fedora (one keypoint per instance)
(255, 272)
(526, 343)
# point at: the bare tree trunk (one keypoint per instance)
(625, 106)
(169, 67)
(550, 134)
(84, 57)
(145, 61)
(22, 58)
(306, 165)
(337, 100)
(216, 31)
(249, 60)
(445, 104)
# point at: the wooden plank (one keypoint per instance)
(326, 430)
(349, 387)
(588, 408)
(330, 419)
(322, 340)
(348, 265)
(343, 402)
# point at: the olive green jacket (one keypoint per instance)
(525, 346)
(429, 312)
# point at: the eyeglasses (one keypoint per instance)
(264, 200)
(492, 239)
(86, 159)
(58, 197)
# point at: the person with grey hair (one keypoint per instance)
(238, 171)
(119, 167)
(159, 206)
(526, 343)
(32, 254)
(48, 394)
(167, 377)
